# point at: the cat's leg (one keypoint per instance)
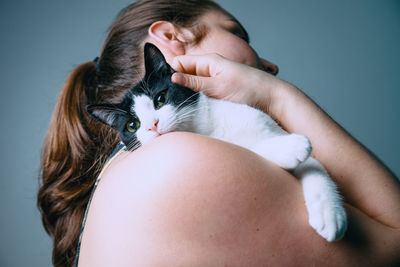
(324, 204)
(287, 151)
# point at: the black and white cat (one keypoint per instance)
(156, 106)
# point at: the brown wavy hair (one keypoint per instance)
(76, 147)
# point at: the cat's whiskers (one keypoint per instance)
(182, 115)
(133, 148)
(195, 94)
(190, 108)
(133, 145)
(187, 112)
(187, 107)
(176, 117)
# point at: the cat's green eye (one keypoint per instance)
(132, 126)
(160, 99)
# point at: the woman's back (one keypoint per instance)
(186, 199)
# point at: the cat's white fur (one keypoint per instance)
(253, 129)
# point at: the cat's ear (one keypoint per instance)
(154, 60)
(106, 113)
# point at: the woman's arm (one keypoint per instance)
(189, 200)
(363, 180)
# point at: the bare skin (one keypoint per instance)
(188, 200)
(216, 204)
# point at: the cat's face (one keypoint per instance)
(152, 107)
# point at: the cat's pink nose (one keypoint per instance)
(154, 127)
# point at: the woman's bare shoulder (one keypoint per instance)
(180, 193)
(185, 199)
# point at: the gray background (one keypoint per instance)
(343, 54)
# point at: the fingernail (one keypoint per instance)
(177, 78)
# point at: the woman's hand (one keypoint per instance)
(222, 78)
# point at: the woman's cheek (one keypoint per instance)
(246, 53)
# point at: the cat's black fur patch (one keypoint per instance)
(157, 79)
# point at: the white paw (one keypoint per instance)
(299, 150)
(329, 220)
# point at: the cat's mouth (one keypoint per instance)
(163, 129)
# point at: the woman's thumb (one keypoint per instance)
(196, 83)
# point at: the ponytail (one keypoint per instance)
(71, 158)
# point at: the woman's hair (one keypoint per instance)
(76, 147)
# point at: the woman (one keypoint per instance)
(186, 199)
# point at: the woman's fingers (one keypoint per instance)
(221, 78)
(196, 83)
(198, 72)
(205, 65)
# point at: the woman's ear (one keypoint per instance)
(168, 37)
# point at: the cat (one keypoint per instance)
(156, 106)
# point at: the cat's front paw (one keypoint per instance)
(330, 221)
(299, 149)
